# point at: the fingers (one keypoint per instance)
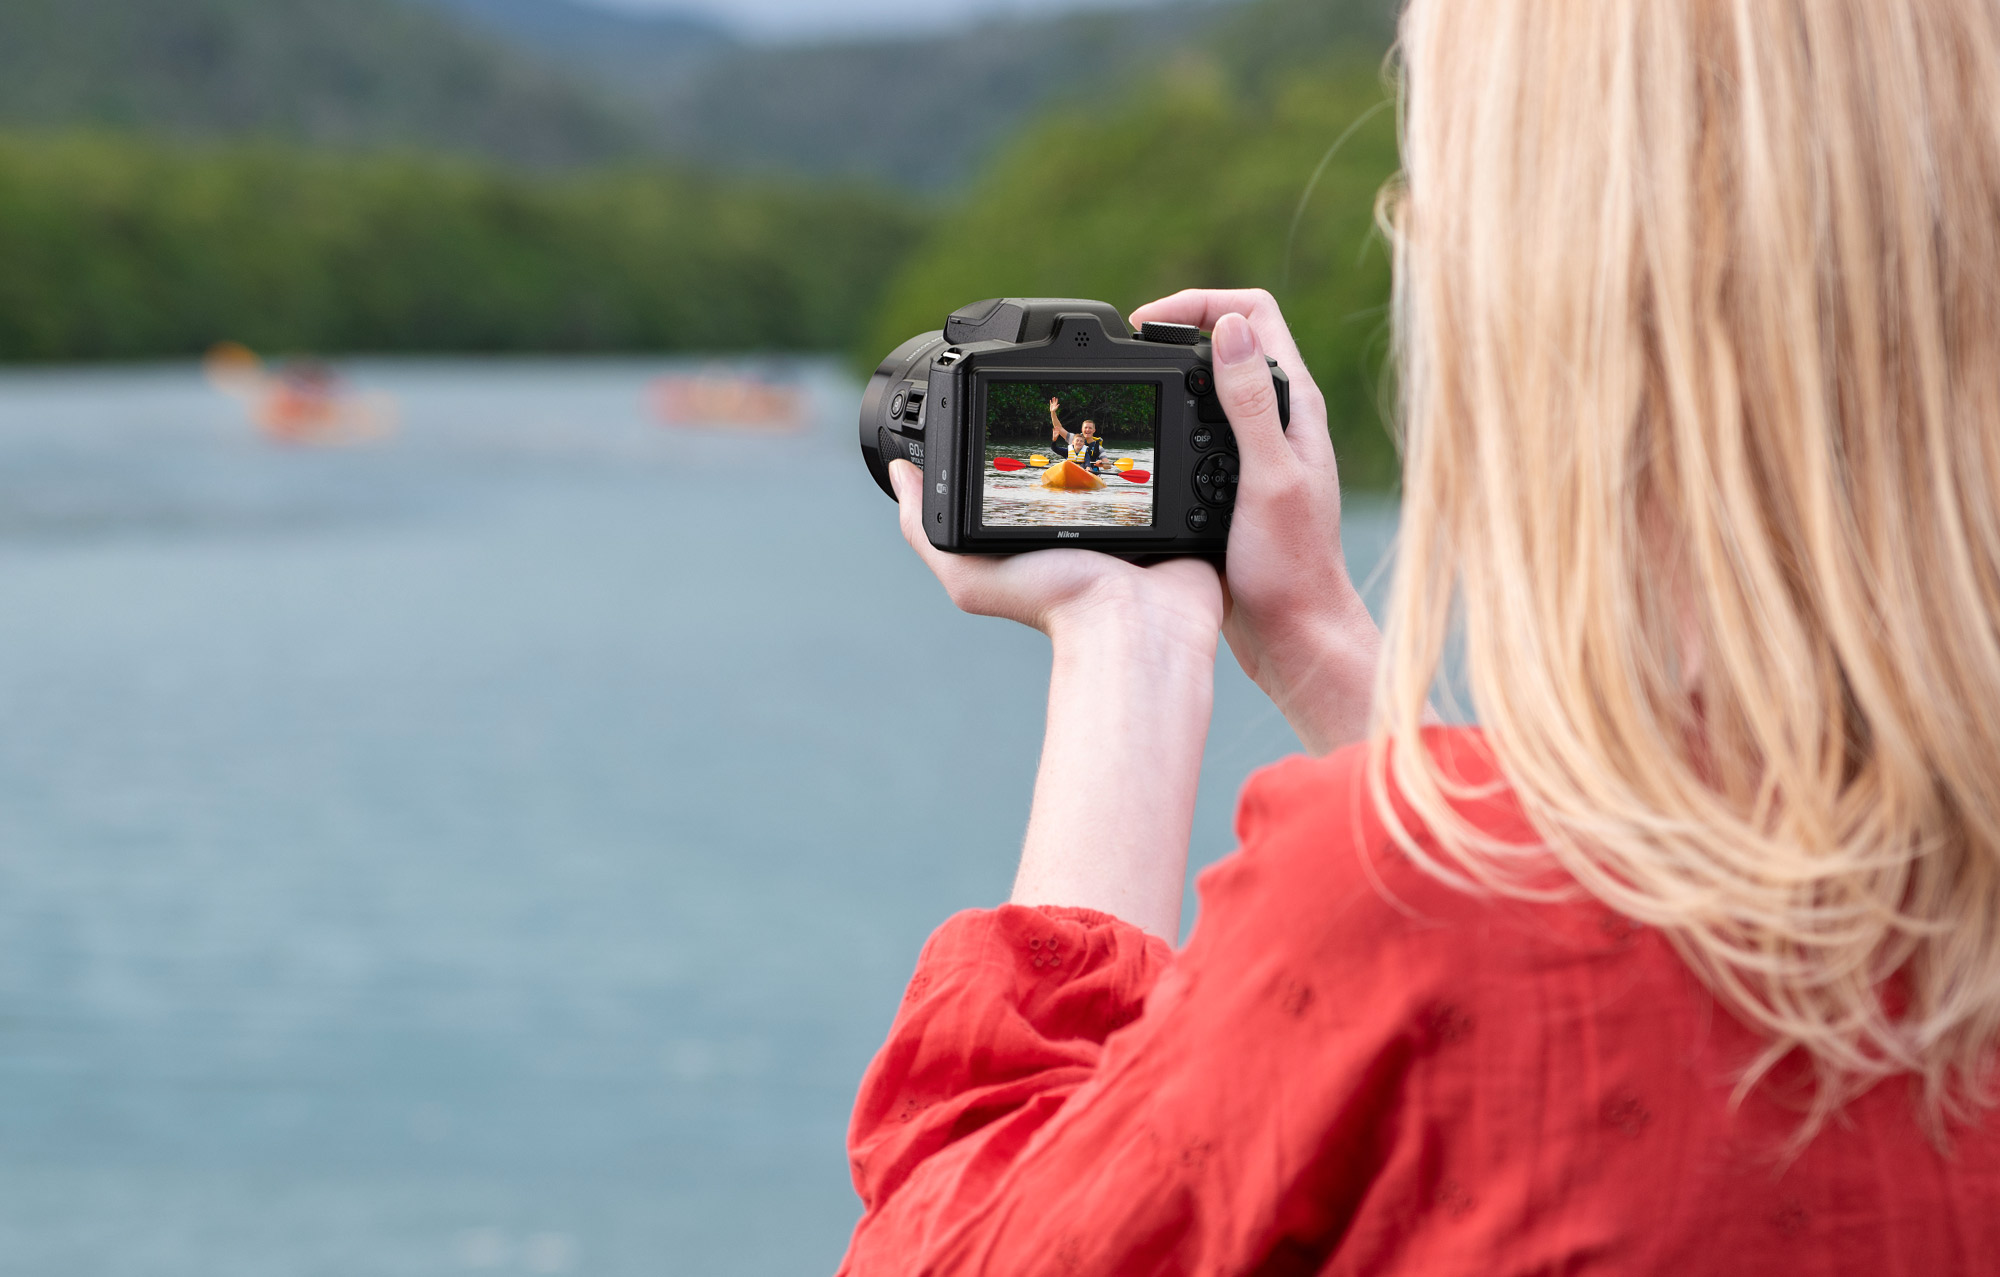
(974, 586)
(1205, 307)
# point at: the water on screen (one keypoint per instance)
(1016, 498)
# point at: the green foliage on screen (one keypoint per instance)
(1194, 184)
(1124, 412)
(118, 249)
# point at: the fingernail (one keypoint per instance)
(1235, 341)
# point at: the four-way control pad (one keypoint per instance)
(1215, 478)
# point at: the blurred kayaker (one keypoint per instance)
(304, 402)
(303, 399)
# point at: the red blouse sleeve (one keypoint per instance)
(1006, 1015)
(1062, 1094)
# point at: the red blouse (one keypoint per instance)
(1352, 1068)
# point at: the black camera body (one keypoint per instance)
(1043, 422)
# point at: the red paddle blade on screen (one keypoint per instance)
(1130, 476)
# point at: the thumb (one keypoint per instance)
(1250, 398)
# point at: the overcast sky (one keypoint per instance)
(782, 19)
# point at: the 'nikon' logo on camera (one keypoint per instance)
(1062, 535)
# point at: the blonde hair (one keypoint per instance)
(1698, 312)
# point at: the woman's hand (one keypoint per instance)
(1292, 616)
(1054, 590)
(1130, 690)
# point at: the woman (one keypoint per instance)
(1688, 959)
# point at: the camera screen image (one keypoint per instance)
(1065, 454)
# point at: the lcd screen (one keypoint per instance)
(1070, 454)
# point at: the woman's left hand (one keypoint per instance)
(1053, 590)
(1130, 689)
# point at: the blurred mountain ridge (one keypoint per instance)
(625, 48)
(357, 74)
(926, 110)
(556, 83)
(922, 111)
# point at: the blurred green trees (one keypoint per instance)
(120, 249)
(1194, 184)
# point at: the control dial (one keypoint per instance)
(1170, 334)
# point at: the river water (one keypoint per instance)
(499, 850)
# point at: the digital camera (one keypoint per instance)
(1044, 422)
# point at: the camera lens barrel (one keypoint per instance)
(892, 407)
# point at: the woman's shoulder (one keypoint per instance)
(1343, 819)
(1331, 853)
(1339, 784)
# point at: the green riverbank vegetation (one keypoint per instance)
(1125, 414)
(116, 248)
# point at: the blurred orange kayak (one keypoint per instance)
(728, 402)
(1070, 475)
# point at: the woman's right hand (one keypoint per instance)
(1292, 615)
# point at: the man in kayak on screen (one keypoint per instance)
(1085, 448)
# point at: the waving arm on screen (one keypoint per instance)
(1057, 432)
